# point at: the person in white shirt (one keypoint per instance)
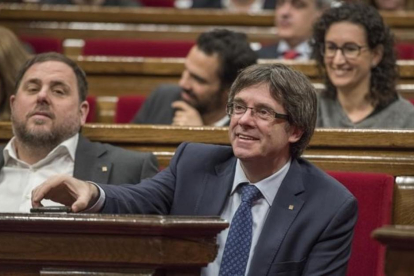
(286, 216)
(48, 109)
(294, 21)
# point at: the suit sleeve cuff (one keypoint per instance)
(97, 207)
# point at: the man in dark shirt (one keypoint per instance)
(200, 97)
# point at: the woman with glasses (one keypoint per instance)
(355, 51)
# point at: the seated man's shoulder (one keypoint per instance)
(169, 90)
(321, 183)
(205, 152)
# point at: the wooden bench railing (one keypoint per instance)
(381, 151)
(399, 241)
(114, 76)
(148, 23)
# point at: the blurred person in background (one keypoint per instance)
(294, 20)
(389, 5)
(12, 56)
(236, 5)
(355, 50)
(200, 98)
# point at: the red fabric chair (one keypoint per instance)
(412, 101)
(158, 3)
(374, 193)
(92, 109)
(43, 44)
(140, 48)
(127, 107)
(405, 50)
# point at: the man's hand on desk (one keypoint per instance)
(67, 190)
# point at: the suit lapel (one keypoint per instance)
(90, 163)
(278, 221)
(217, 187)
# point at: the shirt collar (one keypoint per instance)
(268, 186)
(69, 145)
(222, 122)
(303, 48)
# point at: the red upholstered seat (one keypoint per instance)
(412, 101)
(92, 109)
(137, 48)
(405, 50)
(127, 107)
(158, 3)
(43, 44)
(374, 193)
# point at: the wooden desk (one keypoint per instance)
(88, 244)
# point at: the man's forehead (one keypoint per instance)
(50, 70)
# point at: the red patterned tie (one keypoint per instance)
(290, 54)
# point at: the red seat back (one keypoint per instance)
(158, 3)
(127, 107)
(43, 44)
(405, 50)
(92, 109)
(137, 48)
(374, 193)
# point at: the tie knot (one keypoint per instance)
(250, 193)
(290, 54)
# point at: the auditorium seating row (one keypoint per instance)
(140, 47)
(116, 76)
(62, 22)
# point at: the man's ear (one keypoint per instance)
(12, 99)
(295, 134)
(84, 110)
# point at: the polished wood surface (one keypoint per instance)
(106, 243)
(399, 241)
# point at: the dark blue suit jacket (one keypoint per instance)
(314, 238)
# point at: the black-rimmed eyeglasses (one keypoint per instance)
(348, 50)
(262, 113)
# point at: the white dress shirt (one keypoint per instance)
(18, 179)
(255, 7)
(260, 209)
(303, 49)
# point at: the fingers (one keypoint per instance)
(181, 105)
(186, 115)
(66, 190)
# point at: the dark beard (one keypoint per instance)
(43, 140)
(205, 107)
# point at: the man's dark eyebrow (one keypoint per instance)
(197, 77)
(60, 83)
(238, 101)
(33, 80)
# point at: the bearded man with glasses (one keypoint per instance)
(355, 50)
(275, 201)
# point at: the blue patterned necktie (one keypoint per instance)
(239, 240)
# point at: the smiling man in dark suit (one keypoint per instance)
(48, 110)
(287, 217)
